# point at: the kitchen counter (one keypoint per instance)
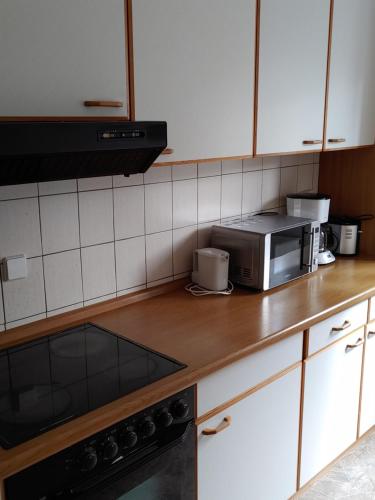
(205, 333)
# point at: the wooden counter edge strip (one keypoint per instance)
(218, 409)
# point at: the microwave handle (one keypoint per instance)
(311, 235)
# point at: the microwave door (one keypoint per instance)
(289, 255)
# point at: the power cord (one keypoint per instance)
(198, 291)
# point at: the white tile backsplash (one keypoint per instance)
(158, 207)
(129, 206)
(98, 271)
(59, 222)
(82, 264)
(96, 216)
(185, 199)
(25, 297)
(63, 279)
(20, 228)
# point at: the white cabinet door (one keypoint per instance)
(293, 48)
(54, 55)
(193, 67)
(368, 393)
(256, 456)
(351, 97)
(331, 403)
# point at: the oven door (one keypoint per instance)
(290, 254)
(165, 473)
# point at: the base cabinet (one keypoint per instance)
(255, 457)
(367, 415)
(331, 403)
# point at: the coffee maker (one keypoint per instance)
(314, 206)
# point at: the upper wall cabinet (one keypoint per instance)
(351, 96)
(293, 44)
(193, 67)
(55, 55)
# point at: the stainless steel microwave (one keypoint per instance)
(268, 250)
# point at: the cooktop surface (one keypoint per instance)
(49, 381)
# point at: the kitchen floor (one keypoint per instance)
(350, 478)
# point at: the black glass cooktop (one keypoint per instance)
(52, 380)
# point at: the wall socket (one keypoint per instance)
(15, 267)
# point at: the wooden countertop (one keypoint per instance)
(205, 333)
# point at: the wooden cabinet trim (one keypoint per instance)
(245, 394)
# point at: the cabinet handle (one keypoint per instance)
(312, 142)
(335, 141)
(167, 151)
(370, 334)
(349, 347)
(223, 425)
(103, 104)
(347, 324)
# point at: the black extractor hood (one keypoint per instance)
(50, 151)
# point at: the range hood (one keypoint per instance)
(51, 151)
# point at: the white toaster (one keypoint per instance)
(210, 268)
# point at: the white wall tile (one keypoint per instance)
(129, 205)
(63, 278)
(290, 160)
(316, 178)
(231, 166)
(158, 207)
(158, 174)
(204, 233)
(2, 328)
(62, 310)
(18, 191)
(96, 216)
(98, 271)
(132, 180)
(59, 222)
(91, 183)
(25, 297)
(25, 321)
(20, 228)
(120, 293)
(209, 169)
(252, 192)
(162, 281)
(288, 182)
(184, 243)
(270, 162)
(316, 157)
(305, 178)
(185, 200)
(180, 172)
(130, 262)
(2, 319)
(270, 188)
(209, 198)
(109, 296)
(231, 195)
(57, 187)
(251, 164)
(159, 256)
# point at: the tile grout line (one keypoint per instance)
(114, 234)
(41, 244)
(80, 243)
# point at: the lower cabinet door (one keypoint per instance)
(331, 403)
(253, 455)
(368, 393)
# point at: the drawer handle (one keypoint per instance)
(312, 142)
(103, 104)
(347, 324)
(336, 141)
(350, 347)
(167, 151)
(223, 425)
(370, 334)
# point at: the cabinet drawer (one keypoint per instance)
(337, 326)
(372, 308)
(246, 373)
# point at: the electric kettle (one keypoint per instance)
(210, 268)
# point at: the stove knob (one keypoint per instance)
(146, 428)
(88, 459)
(128, 438)
(163, 418)
(110, 448)
(180, 408)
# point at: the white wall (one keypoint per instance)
(94, 239)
